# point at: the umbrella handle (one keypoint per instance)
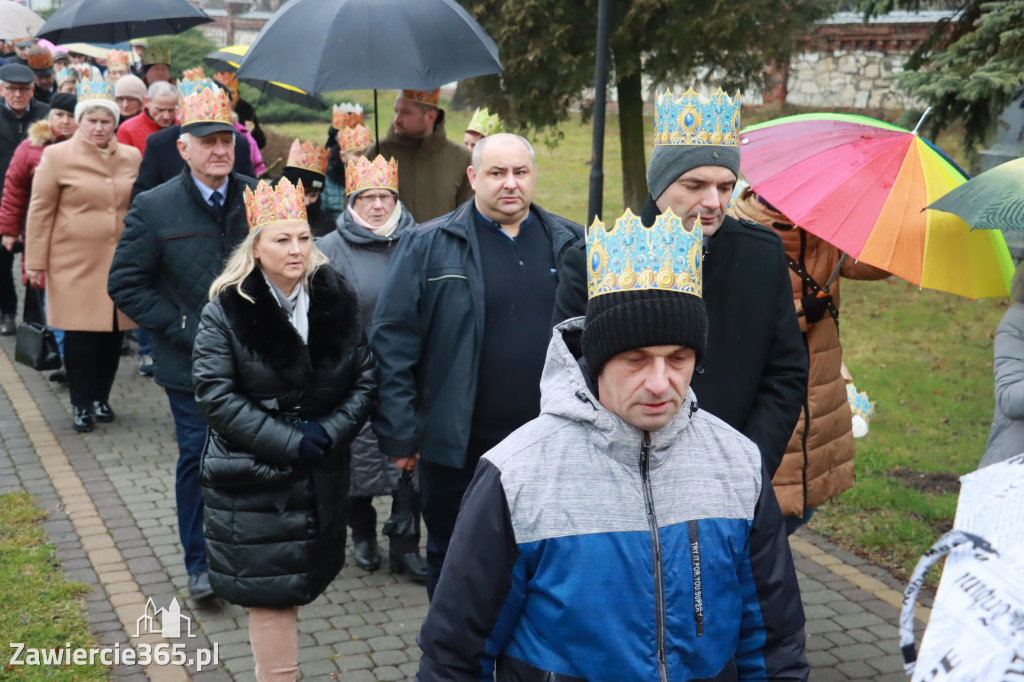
(835, 273)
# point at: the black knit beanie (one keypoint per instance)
(624, 320)
(65, 101)
(310, 179)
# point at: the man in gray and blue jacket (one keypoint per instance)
(625, 534)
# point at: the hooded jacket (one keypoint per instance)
(363, 258)
(275, 527)
(818, 464)
(587, 549)
(431, 171)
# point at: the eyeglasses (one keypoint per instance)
(374, 198)
(17, 88)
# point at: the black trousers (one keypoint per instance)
(362, 519)
(442, 488)
(8, 295)
(91, 360)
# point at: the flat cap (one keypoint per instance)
(17, 73)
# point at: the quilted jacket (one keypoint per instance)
(275, 530)
(173, 246)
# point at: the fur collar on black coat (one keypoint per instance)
(263, 327)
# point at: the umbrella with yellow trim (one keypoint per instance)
(862, 185)
(228, 58)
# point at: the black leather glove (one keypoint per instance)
(315, 442)
(815, 306)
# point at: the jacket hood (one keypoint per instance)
(565, 393)
(436, 139)
(354, 233)
(41, 134)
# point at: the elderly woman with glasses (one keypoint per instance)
(369, 230)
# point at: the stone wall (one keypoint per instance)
(858, 79)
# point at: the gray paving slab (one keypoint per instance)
(364, 626)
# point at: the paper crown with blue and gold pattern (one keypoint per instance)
(691, 119)
(485, 123)
(643, 288)
(95, 89)
(269, 204)
(632, 257)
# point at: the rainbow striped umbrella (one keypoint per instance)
(862, 185)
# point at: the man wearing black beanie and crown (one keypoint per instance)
(626, 533)
(754, 376)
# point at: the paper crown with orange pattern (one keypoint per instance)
(361, 174)
(118, 58)
(346, 116)
(269, 204)
(39, 58)
(193, 74)
(428, 97)
(206, 111)
(356, 137)
(229, 81)
(307, 156)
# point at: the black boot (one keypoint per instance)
(411, 563)
(101, 410)
(81, 418)
(366, 555)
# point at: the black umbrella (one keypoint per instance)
(405, 499)
(370, 44)
(228, 58)
(113, 21)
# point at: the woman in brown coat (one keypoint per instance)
(80, 195)
(818, 464)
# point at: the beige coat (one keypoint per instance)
(818, 464)
(80, 195)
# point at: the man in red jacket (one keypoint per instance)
(161, 110)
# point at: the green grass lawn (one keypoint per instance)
(40, 608)
(925, 357)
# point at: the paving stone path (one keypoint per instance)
(110, 498)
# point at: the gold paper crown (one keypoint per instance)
(485, 123)
(272, 205)
(156, 55)
(193, 74)
(346, 116)
(360, 174)
(428, 97)
(206, 105)
(308, 156)
(95, 89)
(692, 120)
(39, 58)
(356, 137)
(229, 81)
(118, 58)
(631, 257)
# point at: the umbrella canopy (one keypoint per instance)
(993, 200)
(17, 21)
(228, 58)
(98, 51)
(114, 21)
(370, 44)
(862, 185)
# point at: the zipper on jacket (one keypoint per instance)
(184, 320)
(698, 577)
(659, 578)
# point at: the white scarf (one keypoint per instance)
(295, 306)
(384, 230)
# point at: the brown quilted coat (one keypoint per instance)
(818, 464)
